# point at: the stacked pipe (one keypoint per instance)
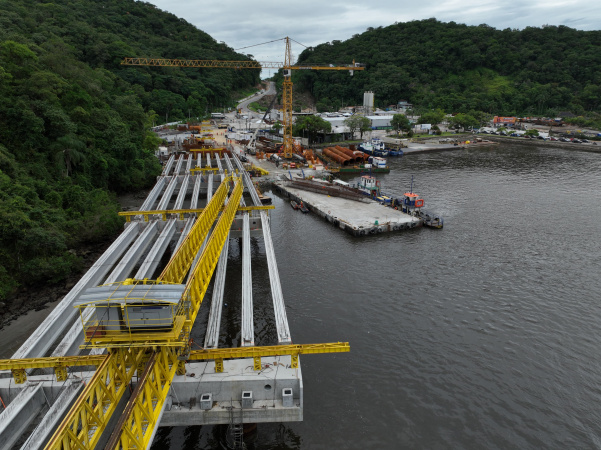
(361, 155)
(336, 157)
(349, 153)
(351, 159)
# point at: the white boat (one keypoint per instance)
(376, 161)
(374, 147)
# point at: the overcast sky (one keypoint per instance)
(240, 23)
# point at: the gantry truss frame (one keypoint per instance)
(156, 357)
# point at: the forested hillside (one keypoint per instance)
(73, 122)
(458, 68)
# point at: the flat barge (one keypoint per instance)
(360, 216)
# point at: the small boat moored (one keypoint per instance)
(303, 208)
(294, 204)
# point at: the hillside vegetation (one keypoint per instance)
(73, 122)
(459, 68)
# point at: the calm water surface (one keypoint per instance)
(483, 335)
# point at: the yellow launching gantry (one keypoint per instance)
(145, 327)
(286, 66)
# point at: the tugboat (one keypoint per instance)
(412, 204)
(369, 186)
(374, 147)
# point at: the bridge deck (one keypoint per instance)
(138, 252)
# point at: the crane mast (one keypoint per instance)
(287, 101)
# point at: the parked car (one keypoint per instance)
(553, 139)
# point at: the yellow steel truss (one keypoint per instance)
(142, 413)
(179, 264)
(199, 281)
(219, 354)
(194, 355)
(180, 212)
(287, 101)
(88, 418)
(217, 64)
(59, 364)
(155, 356)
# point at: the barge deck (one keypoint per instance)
(359, 218)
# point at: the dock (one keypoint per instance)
(359, 218)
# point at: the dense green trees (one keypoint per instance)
(463, 121)
(74, 123)
(310, 126)
(400, 123)
(459, 68)
(358, 123)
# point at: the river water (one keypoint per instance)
(482, 335)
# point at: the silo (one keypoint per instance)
(368, 102)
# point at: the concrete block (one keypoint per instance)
(206, 401)
(287, 398)
(247, 399)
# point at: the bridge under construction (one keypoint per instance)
(123, 353)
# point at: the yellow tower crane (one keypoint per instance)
(286, 66)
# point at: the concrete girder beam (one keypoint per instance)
(178, 166)
(166, 199)
(155, 254)
(279, 308)
(17, 416)
(248, 332)
(168, 166)
(214, 322)
(55, 415)
(70, 343)
(228, 164)
(154, 194)
(126, 265)
(64, 314)
(196, 192)
(188, 224)
(179, 202)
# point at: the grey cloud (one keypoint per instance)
(241, 23)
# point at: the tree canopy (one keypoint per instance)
(358, 123)
(400, 123)
(310, 126)
(74, 122)
(458, 68)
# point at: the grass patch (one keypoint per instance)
(254, 106)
